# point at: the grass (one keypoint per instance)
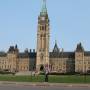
(69, 79)
(22, 78)
(52, 78)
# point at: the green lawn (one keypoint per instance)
(70, 79)
(22, 78)
(52, 78)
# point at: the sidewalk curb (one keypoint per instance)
(44, 84)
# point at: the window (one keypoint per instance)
(5, 66)
(42, 27)
(89, 62)
(10, 66)
(64, 63)
(45, 27)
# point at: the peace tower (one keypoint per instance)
(42, 58)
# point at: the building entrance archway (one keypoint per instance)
(42, 68)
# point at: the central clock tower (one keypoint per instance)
(42, 59)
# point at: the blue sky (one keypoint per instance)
(69, 23)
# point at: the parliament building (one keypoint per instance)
(56, 61)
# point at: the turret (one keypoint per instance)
(79, 58)
(13, 51)
(79, 48)
(56, 49)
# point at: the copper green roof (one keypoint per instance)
(56, 49)
(44, 9)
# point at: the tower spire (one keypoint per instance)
(44, 8)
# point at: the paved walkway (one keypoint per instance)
(18, 87)
(44, 84)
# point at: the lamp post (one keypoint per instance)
(85, 73)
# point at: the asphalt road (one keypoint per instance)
(12, 87)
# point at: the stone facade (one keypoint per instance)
(59, 61)
(42, 40)
(15, 61)
(82, 60)
(56, 61)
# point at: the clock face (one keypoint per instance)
(43, 18)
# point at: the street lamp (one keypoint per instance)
(85, 73)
